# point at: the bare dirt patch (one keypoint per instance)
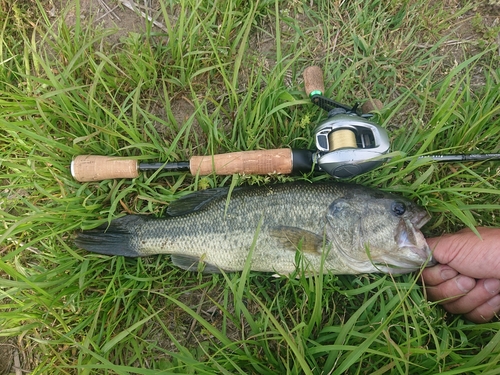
(11, 360)
(122, 16)
(476, 29)
(7, 355)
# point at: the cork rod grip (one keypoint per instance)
(260, 162)
(313, 80)
(86, 168)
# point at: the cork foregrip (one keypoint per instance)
(260, 162)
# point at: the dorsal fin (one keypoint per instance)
(295, 239)
(195, 201)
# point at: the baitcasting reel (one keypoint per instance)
(347, 142)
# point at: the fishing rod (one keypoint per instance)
(347, 143)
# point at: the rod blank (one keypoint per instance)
(462, 157)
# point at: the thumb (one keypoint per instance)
(443, 248)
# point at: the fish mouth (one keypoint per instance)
(414, 252)
(418, 222)
(410, 238)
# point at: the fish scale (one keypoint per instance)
(337, 228)
(203, 240)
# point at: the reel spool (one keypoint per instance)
(342, 138)
(330, 138)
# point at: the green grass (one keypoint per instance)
(236, 74)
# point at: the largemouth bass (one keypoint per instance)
(330, 227)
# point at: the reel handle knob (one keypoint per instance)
(313, 81)
(372, 105)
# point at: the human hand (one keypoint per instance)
(467, 280)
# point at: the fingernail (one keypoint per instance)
(495, 301)
(448, 273)
(465, 284)
(492, 286)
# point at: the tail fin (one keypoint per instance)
(113, 239)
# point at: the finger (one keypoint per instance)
(452, 290)
(483, 292)
(437, 274)
(469, 254)
(486, 312)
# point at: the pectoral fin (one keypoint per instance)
(294, 239)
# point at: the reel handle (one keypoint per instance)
(313, 81)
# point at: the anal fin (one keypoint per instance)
(192, 263)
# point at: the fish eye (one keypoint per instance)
(399, 208)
